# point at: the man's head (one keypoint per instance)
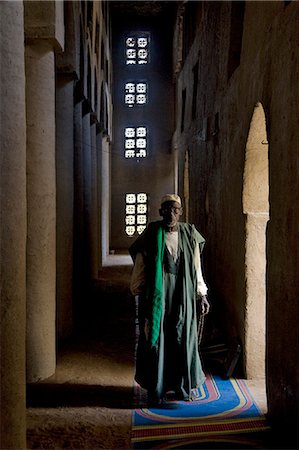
(171, 210)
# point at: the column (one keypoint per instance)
(78, 213)
(64, 202)
(105, 198)
(41, 207)
(87, 195)
(99, 139)
(13, 226)
(94, 205)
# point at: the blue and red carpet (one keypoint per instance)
(224, 416)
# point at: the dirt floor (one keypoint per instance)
(88, 403)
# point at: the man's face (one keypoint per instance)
(171, 212)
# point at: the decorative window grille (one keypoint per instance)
(137, 49)
(136, 213)
(135, 94)
(135, 142)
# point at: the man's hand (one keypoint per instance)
(205, 305)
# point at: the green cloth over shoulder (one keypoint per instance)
(151, 244)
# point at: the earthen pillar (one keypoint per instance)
(13, 226)
(99, 139)
(65, 202)
(41, 192)
(87, 195)
(105, 198)
(94, 204)
(78, 212)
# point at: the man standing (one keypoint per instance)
(168, 280)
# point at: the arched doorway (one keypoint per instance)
(256, 211)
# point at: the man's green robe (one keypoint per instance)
(171, 362)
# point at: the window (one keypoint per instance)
(135, 93)
(137, 49)
(136, 213)
(135, 142)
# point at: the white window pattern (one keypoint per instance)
(136, 213)
(135, 142)
(135, 93)
(137, 49)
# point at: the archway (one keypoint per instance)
(256, 211)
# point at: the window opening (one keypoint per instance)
(135, 213)
(135, 142)
(135, 93)
(137, 49)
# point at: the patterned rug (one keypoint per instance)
(222, 417)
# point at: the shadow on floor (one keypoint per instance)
(79, 395)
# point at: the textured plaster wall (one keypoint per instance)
(268, 73)
(282, 238)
